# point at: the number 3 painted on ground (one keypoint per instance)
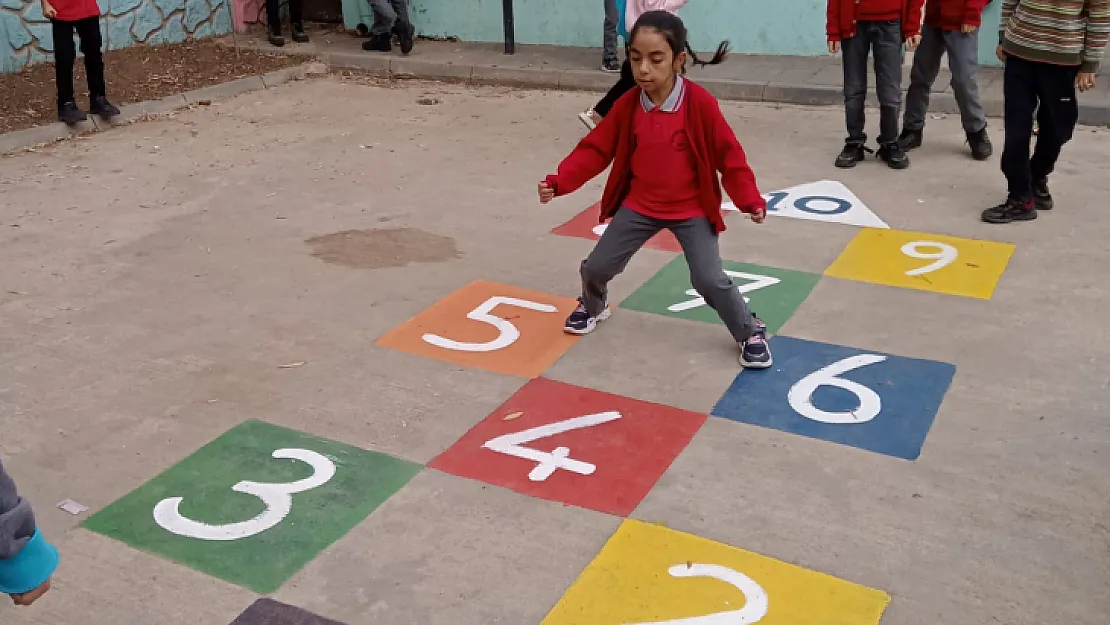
(276, 497)
(507, 332)
(800, 395)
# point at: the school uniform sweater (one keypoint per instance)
(74, 10)
(843, 16)
(711, 143)
(1059, 32)
(954, 14)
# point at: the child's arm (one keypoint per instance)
(25, 559)
(913, 29)
(737, 177)
(48, 10)
(1098, 31)
(973, 14)
(1008, 8)
(592, 155)
(832, 26)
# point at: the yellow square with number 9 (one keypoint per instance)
(927, 262)
(651, 575)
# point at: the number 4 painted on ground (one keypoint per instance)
(559, 458)
(755, 282)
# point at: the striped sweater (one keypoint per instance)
(1061, 32)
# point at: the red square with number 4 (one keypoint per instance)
(571, 444)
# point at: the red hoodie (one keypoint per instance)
(712, 142)
(953, 14)
(74, 10)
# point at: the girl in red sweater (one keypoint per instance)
(667, 141)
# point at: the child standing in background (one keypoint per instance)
(26, 560)
(82, 17)
(860, 28)
(667, 141)
(609, 61)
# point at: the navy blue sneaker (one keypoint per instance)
(754, 352)
(580, 322)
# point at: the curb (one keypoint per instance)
(41, 135)
(589, 80)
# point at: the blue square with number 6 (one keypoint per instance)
(871, 400)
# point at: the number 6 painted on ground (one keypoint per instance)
(276, 497)
(800, 395)
(507, 332)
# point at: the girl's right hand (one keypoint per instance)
(48, 10)
(759, 215)
(546, 193)
(834, 47)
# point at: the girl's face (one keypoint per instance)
(654, 64)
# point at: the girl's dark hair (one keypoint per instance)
(671, 27)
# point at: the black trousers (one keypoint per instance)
(65, 53)
(623, 86)
(1049, 92)
(273, 14)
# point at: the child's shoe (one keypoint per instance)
(981, 148)
(580, 322)
(1010, 210)
(755, 353)
(910, 139)
(99, 105)
(612, 66)
(378, 43)
(1042, 198)
(894, 156)
(850, 155)
(406, 36)
(275, 37)
(69, 113)
(299, 35)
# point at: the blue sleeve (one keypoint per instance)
(622, 11)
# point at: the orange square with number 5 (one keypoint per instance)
(490, 326)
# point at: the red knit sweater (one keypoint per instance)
(712, 141)
(74, 10)
(843, 15)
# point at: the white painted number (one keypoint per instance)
(507, 332)
(800, 395)
(559, 458)
(756, 603)
(276, 497)
(755, 282)
(944, 255)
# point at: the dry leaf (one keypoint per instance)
(293, 365)
(515, 415)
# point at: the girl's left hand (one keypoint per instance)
(913, 42)
(759, 215)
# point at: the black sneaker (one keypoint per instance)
(981, 148)
(894, 156)
(406, 35)
(275, 37)
(755, 353)
(1042, 199)
(611, 65)
(580, 322)
(850, 155)
(99, 105)
(378, 43)
(910, 139)
(299, 35)
(1010, 210)
(70, 114)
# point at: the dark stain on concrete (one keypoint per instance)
(270, 612)
(382, 248)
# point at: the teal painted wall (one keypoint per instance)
(780, 27)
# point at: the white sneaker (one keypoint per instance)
(588, 118)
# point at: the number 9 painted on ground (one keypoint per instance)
(945, 256)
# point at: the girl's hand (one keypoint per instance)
(834, 47)
(967, 29)
(1000, 53)
(1085, 81)
(759, 215)
(48, 10)
(546, 193)
(29, 597)
(913, 42)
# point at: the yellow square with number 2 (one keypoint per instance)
(651, 575)
(928, 262)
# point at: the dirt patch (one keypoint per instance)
(382, 248)
(134, 74)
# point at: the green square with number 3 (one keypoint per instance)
(255, 505)
(773, 294)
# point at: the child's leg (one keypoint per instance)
(609, 39)
(887, 45)
(88, 30)
(854, 53)
(703, 256)
(1020, 100)
(384, 16)
(926, 66)
(963, 60)
(273, 16)
(64, 55)
(625, 234)
(623, 86)
(1058, 114)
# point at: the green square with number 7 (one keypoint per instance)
(773, 294)
(255, 505)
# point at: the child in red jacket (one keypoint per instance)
(858, 28)
(667, 141)
(82, 16)
(952, 28)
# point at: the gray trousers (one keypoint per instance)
(627, 233)
(609, 42)
(963, 60)
(387, 13)
(884, 41)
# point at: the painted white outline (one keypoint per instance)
(276, 497)
(801, 393)
(755, 283)
(946, 256)
(508, 333)
(559, 458)
(756, 602)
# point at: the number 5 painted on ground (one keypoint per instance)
(756, 603)
(559, 458)
(800, 396)
(276, 497)
(756, 282)
(507, 332)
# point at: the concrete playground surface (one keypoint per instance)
(299, 353)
